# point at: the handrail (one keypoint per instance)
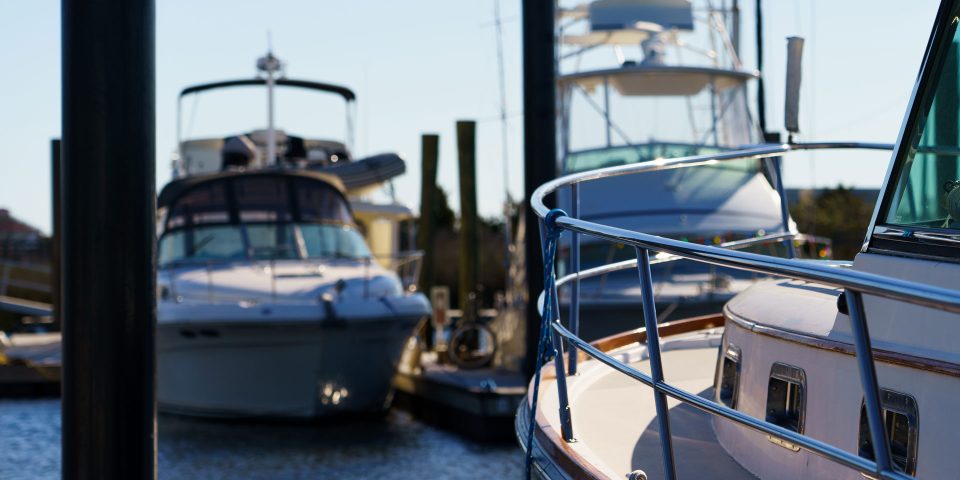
(855, 283)
(757, 152)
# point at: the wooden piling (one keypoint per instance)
(469, 241)
(426, 228)
(56, 231)
(539, 145)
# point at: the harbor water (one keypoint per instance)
(394, 446)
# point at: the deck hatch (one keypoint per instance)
(729, 376)
(901, 422)
(786, 397)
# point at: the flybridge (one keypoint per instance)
(274, 147)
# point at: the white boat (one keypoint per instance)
(686, 95)
(270, 303)
(839, 370)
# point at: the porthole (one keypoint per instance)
(900, 422)
(786, 400)
(729, 378)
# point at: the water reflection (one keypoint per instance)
(394, 446)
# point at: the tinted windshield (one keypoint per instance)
(262, 242)
(927, 186)
(260, 217)
(626, 155)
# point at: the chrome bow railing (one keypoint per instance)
(855, 284)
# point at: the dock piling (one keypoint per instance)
(108, 239)
(469, 241)
(539, 145)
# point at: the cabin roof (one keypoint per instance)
(176, 188)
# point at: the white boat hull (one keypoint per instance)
(279, 369)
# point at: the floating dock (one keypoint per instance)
(478, 404)
(30, 365)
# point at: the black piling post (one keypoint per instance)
(56, 230)
(539, 144)
(108, 239)
(469, 237)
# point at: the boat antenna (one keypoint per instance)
(504, 130)
(270, 66)
(503, 100)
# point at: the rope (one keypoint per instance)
(545, 349)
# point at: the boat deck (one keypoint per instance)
(614, 417)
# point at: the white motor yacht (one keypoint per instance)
(270, 301)
(839, 370)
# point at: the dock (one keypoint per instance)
(478, 404)
(30, 365)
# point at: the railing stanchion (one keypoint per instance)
(566, 418)
(656, 367)
(574, 314)
(868, 379)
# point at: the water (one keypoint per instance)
(395, 446)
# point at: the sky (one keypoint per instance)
(419, 66)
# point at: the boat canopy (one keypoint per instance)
(271, 196)
(344, 92)
(624, 14)
(660, 80)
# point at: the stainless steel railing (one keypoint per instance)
(855, 284)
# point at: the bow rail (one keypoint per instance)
(855, 285)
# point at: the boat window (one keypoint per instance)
(729, 377)
(272, 241)
(900, 421)
(927, 183)
(221, 242)
(262, 199)
(786, 397)
(320, 203)
(338, 241)
(630, 154)
(199, 206)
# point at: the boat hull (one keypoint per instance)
(279, 369)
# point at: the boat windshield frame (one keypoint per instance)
(919, 241)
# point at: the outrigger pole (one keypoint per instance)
(761, 96)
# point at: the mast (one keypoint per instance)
(270, 65)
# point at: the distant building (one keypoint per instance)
(20, 240)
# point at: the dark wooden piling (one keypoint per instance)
(426, 228)
(108, 239)
(539, 144)
(55, 231)
(469, 240)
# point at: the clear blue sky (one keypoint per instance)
(419, 66)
